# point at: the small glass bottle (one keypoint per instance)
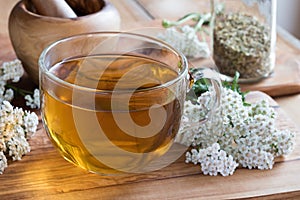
(244, 38)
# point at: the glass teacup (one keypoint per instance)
(112, 102)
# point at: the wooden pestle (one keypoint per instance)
(54, 8)
(85, 7)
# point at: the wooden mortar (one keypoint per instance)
(54, 8)
(30, 33)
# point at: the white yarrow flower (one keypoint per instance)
(212, 160)
(185, 39)
(3, 162)
(11, 71)
(18, 146)
(236, 134)
(33, 102)
(16, 126)
(31, 122)
(8, 95)
(6, 107)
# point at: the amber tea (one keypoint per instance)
(112, 102)
(106, 72)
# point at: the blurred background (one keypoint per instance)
(288, 16)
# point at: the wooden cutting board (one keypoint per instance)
(286, 77)
(44, 173)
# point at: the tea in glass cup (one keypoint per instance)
(112, 102)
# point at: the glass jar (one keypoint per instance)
(244, 38)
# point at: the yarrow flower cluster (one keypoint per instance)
(239, 134)
(9, 71)
(33, 101)
(185, 37)
(16, 127)
(12, 71)
(213, 160)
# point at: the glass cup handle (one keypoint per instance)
(216, 86)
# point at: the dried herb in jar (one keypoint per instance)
(243, 44)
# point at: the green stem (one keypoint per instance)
(235, 85)
(19, 90)
(197, 17)
(203, 19)
(190, 16)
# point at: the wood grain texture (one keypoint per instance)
(131, 13)
(173, 9)
(82, 7)
(44, 174)
(54, 8)
(291, 104)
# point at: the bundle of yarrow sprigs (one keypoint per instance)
(16, 125)
(190, 38)
(239, 134)
(185, 38)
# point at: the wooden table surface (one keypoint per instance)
(43, 174)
